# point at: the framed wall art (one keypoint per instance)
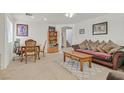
(81, 31)
(22, 30)
(100, 28)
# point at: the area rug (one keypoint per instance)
(87, 74)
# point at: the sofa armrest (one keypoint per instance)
(75, 47)
(116, 57)
(115, 75)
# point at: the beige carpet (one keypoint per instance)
(97, 72)
(43, 69)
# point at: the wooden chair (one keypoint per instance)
(30, 49)
(43, 50)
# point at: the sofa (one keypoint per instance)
(105, 53)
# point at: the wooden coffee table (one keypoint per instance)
(81, 57)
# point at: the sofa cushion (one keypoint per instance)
(96, 43)
(90, 44)
(110, 45)
(100, 46)
(103, 43)
(93, 45)
(107, 60)
(83, 45)
(114, 50)
(75, 47)
(99, 49)
(97, 54)
(107, 47)
(103, 55)
(90, 41)
(113, 44)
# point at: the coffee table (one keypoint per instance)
(81, 57)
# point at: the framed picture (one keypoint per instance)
(22, 30)
(81, 31)
(100, 28)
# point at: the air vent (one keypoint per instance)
(28, 14)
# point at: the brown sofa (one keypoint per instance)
(113, 60)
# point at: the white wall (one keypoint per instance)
(2, 39)
(115, 29)
(59, 29)
(8, 43)
(39, 32)
(69, 35)
(5, 47)
(36, 30)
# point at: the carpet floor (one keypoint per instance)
(46, 68)
(43, 69)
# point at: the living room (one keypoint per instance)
(84, 36)
(82, 29)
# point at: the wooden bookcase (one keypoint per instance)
(52, 40)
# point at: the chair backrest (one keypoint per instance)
(30, 45)
(16, 47)
(44, 45)
(16, 44)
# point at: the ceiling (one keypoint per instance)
(55, 18)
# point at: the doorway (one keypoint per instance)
(66, 37)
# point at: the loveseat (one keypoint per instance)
(108, 54)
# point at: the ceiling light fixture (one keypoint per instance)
(45, 19)
(69, 15)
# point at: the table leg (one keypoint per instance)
(21, 54)
(21, 57)
(64, 57)
(38, 55)
(90, 63)
(81, 66)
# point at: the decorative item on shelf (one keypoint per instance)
(100, 28)
(55, 34)
(51, 28)
(81, 31)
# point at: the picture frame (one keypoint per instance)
(100, 28)
(22, 30)
(81, 31)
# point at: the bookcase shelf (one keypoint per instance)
(52, 40)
